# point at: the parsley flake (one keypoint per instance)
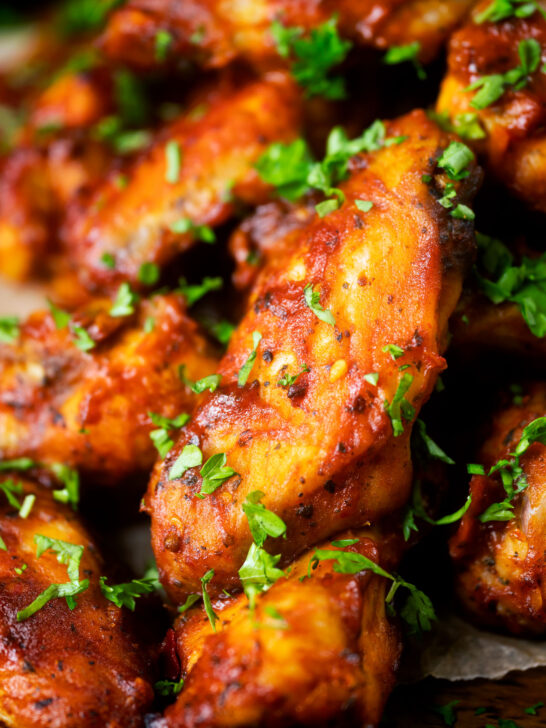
(199, 232)
(9, 329)
(404, 53)
(455, 160)
(71, 481)
(210, 382)
(261, 521)
(173, 161)
(395, 351)
(169, 688)
(214, 473)
(447, 712)
(287, 380)
(400, 407)
(313, 58)
(312, 300)
(161, 437)
(124, 595)
(205, 579)
(364, 205)
(259, 572)
(245, 370)
(60, 318)
(194, 291)
(499, 10)
(108, 260)
(190, 457)
(82, 339)
(148, 274)
(124, 302)
(163, 41)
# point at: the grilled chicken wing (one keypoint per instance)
(313, 651)
(512, 124)
(212, 151)
(63, 668)
(500, 564)
(214, 32)
(89, 408)
(321, 446)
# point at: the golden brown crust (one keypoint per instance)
(75, 669)
(90, 409)
(314, 650)
(218, 145)
(514, 144)
(501, 565)
(212, 33)
(322, 449)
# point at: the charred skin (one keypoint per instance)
(323, 450)
(63, 668)
(500, 565)
(331, 656)
(90, 409)
(515, 144)
(213, 33)
(218, 146)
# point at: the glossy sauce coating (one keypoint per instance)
(501, 566)
(215, 148)
(213, 33)
(60, 668)
(322, 449)
(314, 650)
(514, 145)
(90, 409)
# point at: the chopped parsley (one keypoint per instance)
(130, 97)
(214, 473)
(312, 300)
(372, 378)
(188, 604)
(199, 232)
(163, 41)
(169, 688)
(27, 505)
(417, 611)
(124, 302)
(395, 351)
(108, 260)
(261, 521)
(405, 53)
(17, 464)
(124, 595)
(364, 205)
(245, 370)
(447, 712)
(455, 160)
(312, 58)
(511, 473)
(291, 169)
(533, 709)
(194, 291)
(9, 329)
(210, 382)
(417, 510)
(502, 281)
(148, 274)
(221, 330)
(161, 436)
(71, 481)
(60, 318)
(493, 86)
(499, 10)
(400, 408)
(190, 457)
(83, 16)
(3, 546)
(173, 161)
(205, 579)
(82, 339)
(69, 554)
(287, 380)
(10, 488)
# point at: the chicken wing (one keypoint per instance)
(60, 667)
(187, 182)
(315, 649)
(313, 426)
(495, 88)
(212, 33)
(499, 551)
(82, 394)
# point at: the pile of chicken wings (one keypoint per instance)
(263, 230)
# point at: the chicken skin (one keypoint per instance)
(188, 181)
(63, 668)
(311, 423)
(510, 110)
(313, 651)
(500, 563)
(213, 33)
(63, 401)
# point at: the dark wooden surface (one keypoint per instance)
(410, 705)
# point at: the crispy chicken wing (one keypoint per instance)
(191, 176)
(89, 408)
(214, 32)
(313, 651)
(311, 426)
(510, 115)
(61, 668)
(500, 564)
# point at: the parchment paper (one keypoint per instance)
(454, 650)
